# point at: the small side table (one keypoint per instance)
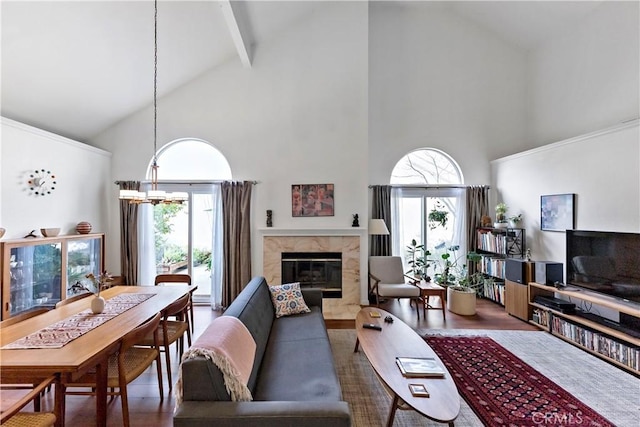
(428, 289)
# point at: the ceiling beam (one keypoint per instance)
(242, 45)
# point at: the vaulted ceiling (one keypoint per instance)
(77, 67)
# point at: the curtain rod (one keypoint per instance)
(185, 182)
(435, 186)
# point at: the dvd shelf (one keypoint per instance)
(540, 317)
(612, 344)
(597, 342)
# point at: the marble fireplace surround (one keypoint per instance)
(346, 241)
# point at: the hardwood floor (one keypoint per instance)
(146, 408)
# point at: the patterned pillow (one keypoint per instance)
(287, 299)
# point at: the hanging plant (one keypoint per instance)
(438, 218)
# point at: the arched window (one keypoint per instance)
(428, 205)
(191, 159)
(180, 239)
(426, 166)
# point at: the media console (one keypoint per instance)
(609, 340)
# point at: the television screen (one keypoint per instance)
(605, 262)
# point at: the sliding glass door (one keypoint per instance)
(411, 209)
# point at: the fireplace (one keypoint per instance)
(346, 242)
(321, 270)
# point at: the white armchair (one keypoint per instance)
(389, 280)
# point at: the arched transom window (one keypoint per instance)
(426, 166)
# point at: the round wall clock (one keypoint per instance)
(42, 182)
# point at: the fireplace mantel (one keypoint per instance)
(344, 231)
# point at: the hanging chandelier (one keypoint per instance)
(154, 196)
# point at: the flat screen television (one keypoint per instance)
(604, 262)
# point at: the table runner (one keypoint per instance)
(63, 332)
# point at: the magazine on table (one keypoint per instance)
(420, 367)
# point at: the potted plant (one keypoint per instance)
(501, 215)
(514, 220)
(462, 287)
(447, 266)
(418, 261)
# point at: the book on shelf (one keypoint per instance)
(420, 367)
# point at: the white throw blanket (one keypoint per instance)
(230, 346)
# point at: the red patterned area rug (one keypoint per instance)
(504, 391)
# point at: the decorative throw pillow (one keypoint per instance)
(287, 299)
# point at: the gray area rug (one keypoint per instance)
(610, 391)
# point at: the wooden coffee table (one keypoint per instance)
(397, 339)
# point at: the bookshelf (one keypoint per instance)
(495, 245)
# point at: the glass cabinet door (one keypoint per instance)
(35, 276)
(84, 256)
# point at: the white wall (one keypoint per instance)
(601, 168)
(439, 80)
(588, 78)
(580, 83)
(82, 193)
(299, 115)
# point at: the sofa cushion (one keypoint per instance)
(287, 299)
(298, 353)
(254, 308)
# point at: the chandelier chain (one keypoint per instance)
(155, 83)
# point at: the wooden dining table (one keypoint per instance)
(86, 352)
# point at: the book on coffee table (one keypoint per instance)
(420, 367)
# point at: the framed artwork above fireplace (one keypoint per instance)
(312, 200)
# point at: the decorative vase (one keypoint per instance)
(97, 305)
(500, 225)
(83, 227)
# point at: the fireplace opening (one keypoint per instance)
(321, 270)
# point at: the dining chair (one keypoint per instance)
(179, 278)
(22, 316)
(12, 321)
(389, 280)
(126, 364)
(14, 416)
(171, 331)
(72, 299)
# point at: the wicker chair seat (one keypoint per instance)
(136, 361)
(31, 419)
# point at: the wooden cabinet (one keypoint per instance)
(495, 245)
(38, 272)
(516, 300)
(618, 345)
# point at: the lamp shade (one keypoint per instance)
(377, 227)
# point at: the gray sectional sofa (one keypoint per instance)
(293, 381)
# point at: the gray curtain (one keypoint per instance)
(236, 221)
(477, 199)
(129, 236)
(381, 209)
